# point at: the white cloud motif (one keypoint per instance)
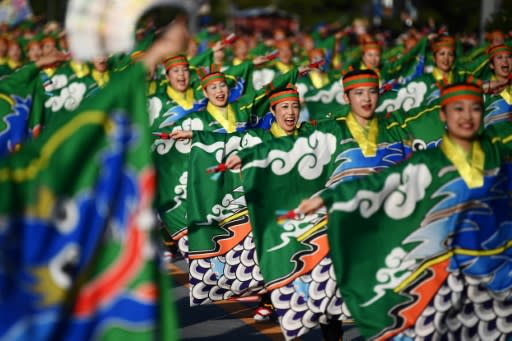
(181, 191)
(395, 265)
(58, 82)
(399, 195)
(335, 92)
(154, 108)
(262, 77)
(223, 149)
(163, 146)
(230, 204)
(69, 98)
(309, 154)
(409, 97)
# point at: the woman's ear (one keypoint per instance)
(205, 94)
(346, 98)
(273, 111)
(442, 115)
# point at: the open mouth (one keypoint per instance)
(289, 121)
(220, 98)
(467, 125)
(367, 107)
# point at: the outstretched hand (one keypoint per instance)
(181, 134)
(310, 205)
(54, 58)
(234, 162)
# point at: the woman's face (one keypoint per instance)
(285, 54)
(241, 49)
(363, 102)
(371, 58)
(463, 119)
(444, 58)
(48, 47)
(100, 64)
(287, 115)
(179, 77)
(34, 52)
(217, 93)
(14, 52)
(501, 63)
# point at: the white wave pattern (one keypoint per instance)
(395, 264)
(399, 195)
(409, 97)
(335, 92)
(69, 98)
(309, 155)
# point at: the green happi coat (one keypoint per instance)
(62, 90)
(296, 167)
(171, 157)
(433, 220)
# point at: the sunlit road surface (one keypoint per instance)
(228, 320)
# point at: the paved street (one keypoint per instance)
(228, 320)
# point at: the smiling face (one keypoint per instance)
(463, 119)
(179, 77)
(444, 58)
(363, 102)
(501, 63)
(217, 93)
(287, 115)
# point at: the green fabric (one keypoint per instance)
(92, 166)
(278, 174)
(400, 199)
(172, 158)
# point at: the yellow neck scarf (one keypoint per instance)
(12, 64)
(470, 169)
(185, 100)
(439, 76)
(80, 69)
(277, 131)
(50, 71)
(237, 61)
(101, 78)
(282, 67)
(365, 138)
(226, 119)
(319, 79)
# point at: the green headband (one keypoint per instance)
(285, 95)
(360, 80)
(212, 77)
(460, 92)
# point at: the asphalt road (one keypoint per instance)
(228, 320)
